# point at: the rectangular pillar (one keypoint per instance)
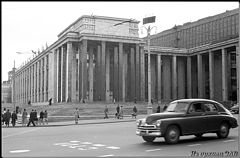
(74, 74)
(69, 63)
(211, 75)
(124, 70)
(90, 75)
(108, 75)
(103, 71)
(137, 72)
(84, 70)
(59, 65)
(200, 80)
(159, 78)
(98, 68)
(121, 71)
(80, 71)
(238, 72)
(224, 76)
(55, 76)
(189, 77)
(132, 64)
(142, 74)
(115, 78)
(174, 77)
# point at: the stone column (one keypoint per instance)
(224, 75)
(211, 74)
(159, 78)
(84, 69)
(37, 81)
(142, 70)
(63, 79)
(90, 75)
(103, 71)
(69, 56)
(238, 72)
(174, 77)
(34, 82)
(121, 71)
(55, 76)
(99, 79)
(40, 80)
(137, 72)
(45, 80)
(59, 72)
(124, 65)
(115, 78)
(74, 72)
(132, 64)
(107, 75)
(200, 80)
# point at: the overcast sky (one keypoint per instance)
(29, 26)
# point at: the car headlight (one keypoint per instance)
(157, 123)
(139, 122)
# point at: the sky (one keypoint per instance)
(30, 26)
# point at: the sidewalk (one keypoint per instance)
(84, 122)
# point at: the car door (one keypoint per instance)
(195, 119)
(212, 117)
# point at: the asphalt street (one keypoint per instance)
(107, 140)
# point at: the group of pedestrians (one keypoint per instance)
(7, 116)
(43, 118)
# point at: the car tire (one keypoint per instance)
(199, 135)
(148, 138)
(223, 131)
(172, 135)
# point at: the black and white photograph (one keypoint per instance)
(120, 79)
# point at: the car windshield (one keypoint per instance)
(177, 107)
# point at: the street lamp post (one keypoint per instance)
(149, 20)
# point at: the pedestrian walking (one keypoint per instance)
(158, 109)
(106, 112)
(117, 113)
(3, 116)
(45, 117)
(121, 112)
(41, 118)
(31, 119)
(76, 115)
(134, 114)
(14, 118)
(24, 117)
(35, 117)
(50, 101)
(7, 117)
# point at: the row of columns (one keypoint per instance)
(94, 81)
(212, 77)
(32, 82)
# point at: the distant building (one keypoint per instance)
(103, 58)
(7, 89)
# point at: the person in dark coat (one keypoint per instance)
(7, 117)
(14, 118)
(134, 114)
(158, 109)
(165, 107)
(35, 117)
(118, 110)
(41, 118)
(31, 119)
(50, 101)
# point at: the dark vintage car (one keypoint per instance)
(187, 117)
(235, 109)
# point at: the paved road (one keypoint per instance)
(106, 140)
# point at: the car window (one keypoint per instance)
(196, 107)
(209, 107)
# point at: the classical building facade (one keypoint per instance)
(197, 60)
(102, 58)
(95, 58)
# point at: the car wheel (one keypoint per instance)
(172, 135)
(223, 130)
(199, 135)
(148, 138)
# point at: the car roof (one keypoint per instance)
(193, 100)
